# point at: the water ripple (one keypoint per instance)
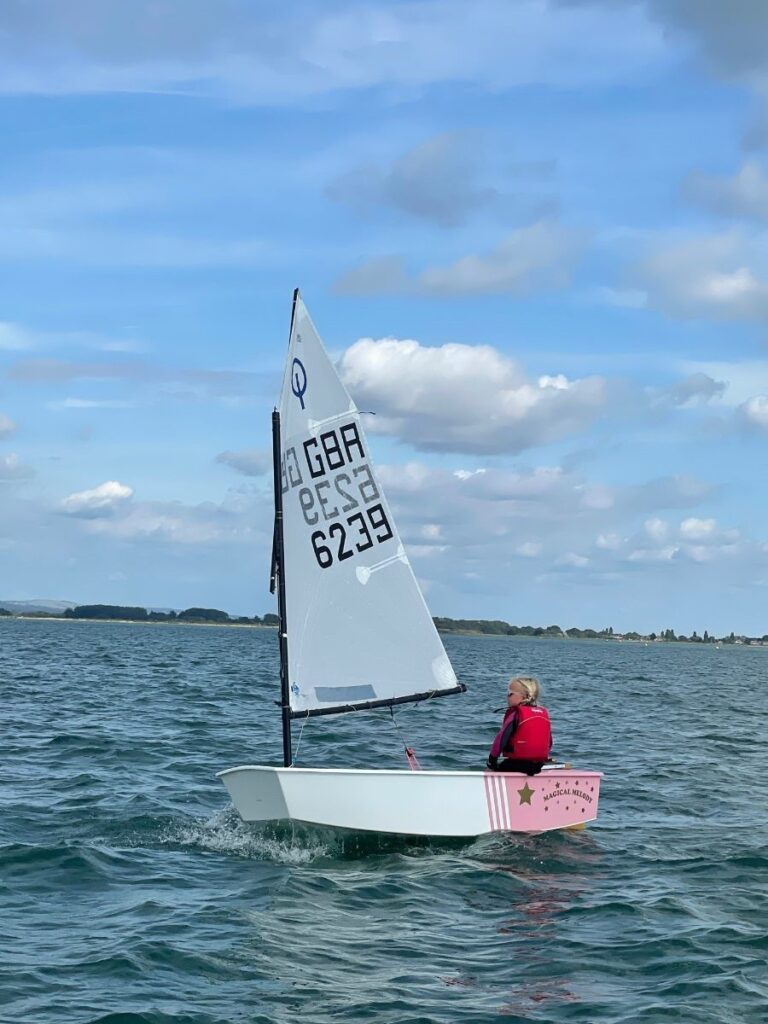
(132, 893)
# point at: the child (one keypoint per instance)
(525, 737)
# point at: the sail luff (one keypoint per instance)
(277, 573)
(278, 556)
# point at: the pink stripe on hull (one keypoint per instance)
(497, 798)
(489, 801)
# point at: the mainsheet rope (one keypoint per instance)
(410, 753)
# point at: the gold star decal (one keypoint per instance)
(525, 794)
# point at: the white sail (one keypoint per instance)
(358, 629)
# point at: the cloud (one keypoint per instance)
(13, 337)
(465, 398)
(537, 525)
(732, 38)
(692, 539)
(743, 378)
(435, 181)
(715, 276)
(197, 383)
(534, 258)
(572, 560)
(754, 412)
(382, 275)
(257, 54)
(90, 403)
(7, 426)
(103, 500)
(11, 468)
(251, 462)
(744, 195)
(175, 523)
(695, 389)
(697, 529)
(678, 491)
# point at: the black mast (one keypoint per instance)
(277, 574)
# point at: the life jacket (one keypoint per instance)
(532, 736)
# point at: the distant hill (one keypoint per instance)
(41, 604)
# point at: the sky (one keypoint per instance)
(533, 235)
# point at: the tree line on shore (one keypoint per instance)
(491, 627)
(497, 627)
(132, 613)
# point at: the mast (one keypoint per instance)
(277, 574)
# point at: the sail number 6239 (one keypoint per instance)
(353, 535)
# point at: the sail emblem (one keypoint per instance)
(298, 380)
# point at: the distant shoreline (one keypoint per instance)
(444, 626)
(135, 622)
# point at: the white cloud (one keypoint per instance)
(534, 258)
(7, 426)
(697, 529)
(656, 529)
(103, 500)
(493, 519)
(178, 525)
(693, 539)
(12, 468)
(573, 560)
(90, 403)
(608, 541)
(464, 398)
(754, 412)
(662, 554)
(109, 511)
(718, 276)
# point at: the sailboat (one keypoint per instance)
(355, 633)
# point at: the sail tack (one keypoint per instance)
(359, 633)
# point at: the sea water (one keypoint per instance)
(130, 891)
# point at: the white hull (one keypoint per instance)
(416, 803)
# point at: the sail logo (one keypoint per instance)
(298, 380)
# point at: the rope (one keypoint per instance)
(298, 744)
(410, 754)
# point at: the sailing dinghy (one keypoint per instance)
(355, 633)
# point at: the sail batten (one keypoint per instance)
(359, 631)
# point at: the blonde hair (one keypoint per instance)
(530, 687)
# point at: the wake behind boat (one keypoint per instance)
(355, 633)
